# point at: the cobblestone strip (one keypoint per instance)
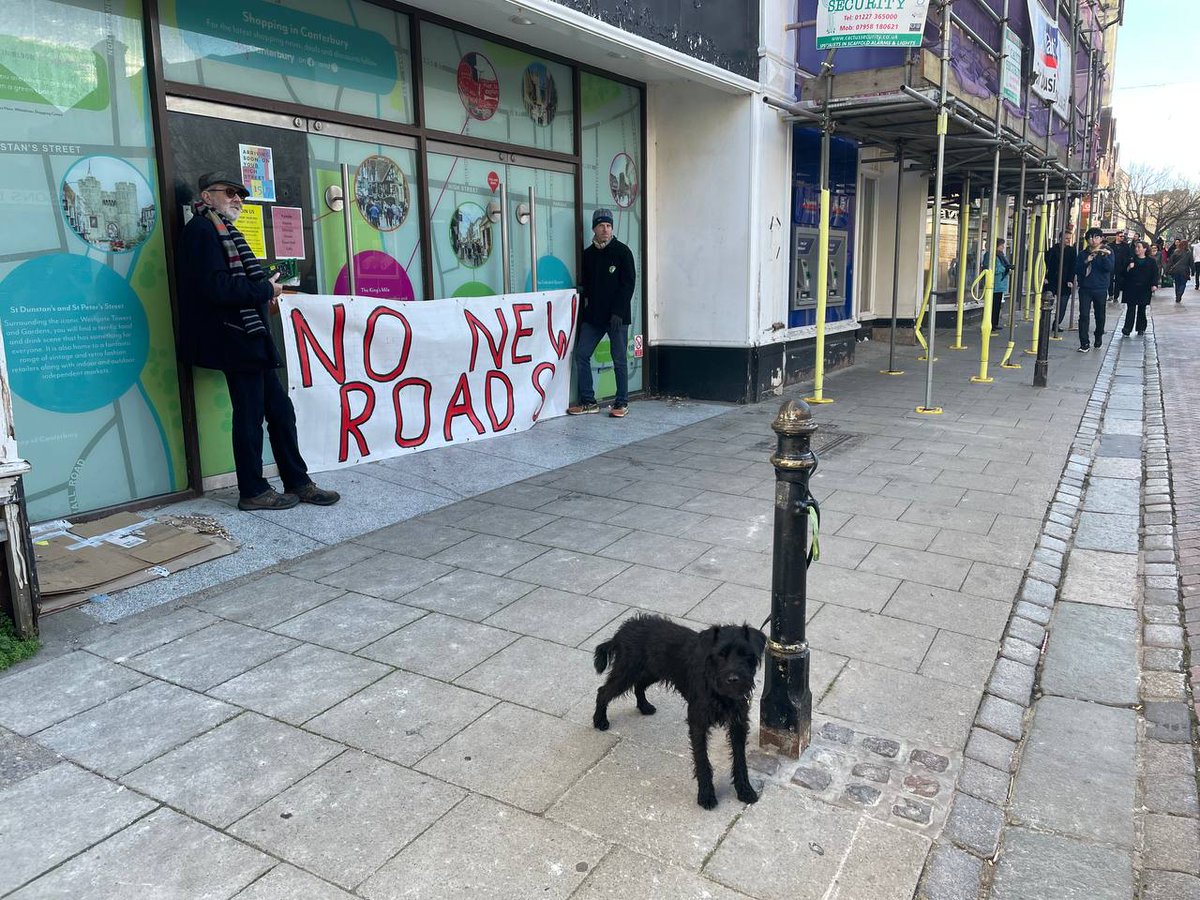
(962, 859)
(1169, 825)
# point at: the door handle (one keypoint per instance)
(348, 223)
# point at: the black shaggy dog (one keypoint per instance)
(713, 670)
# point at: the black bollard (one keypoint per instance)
(1041, 367)
(785, 711)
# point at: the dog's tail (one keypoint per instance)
(602, 656)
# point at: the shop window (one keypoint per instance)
(613, 178)
(351, 57)
(83, 282)
(487, 90)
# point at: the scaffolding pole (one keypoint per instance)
(1020, 251)
(823, 238)
(1041, 366)
(989, 278)
(891, 369)
(964, 237)
(942, 126)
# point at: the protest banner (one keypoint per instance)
(372, 379)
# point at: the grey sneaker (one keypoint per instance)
(269, 499)
(310, 493)
(582, 409)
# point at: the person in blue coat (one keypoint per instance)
(1000, 285)
(1093, 272)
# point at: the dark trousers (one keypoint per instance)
(1091, 301)
(1063, 299)
(589, 338)
(1180, 286)
(255, 396)
(1196, 272)
(1135, 316)
(997, 297)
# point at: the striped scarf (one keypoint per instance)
(241, 260)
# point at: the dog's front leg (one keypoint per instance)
(707, 794)
(741, 777)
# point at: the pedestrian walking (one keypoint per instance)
(1093, 271)
(1122, 255)
(1140, 281)
(1060, 281)
(1196, 264)
(1179, 266)
(606, 291)
(225, 297)
(1000, 284)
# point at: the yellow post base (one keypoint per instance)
(987, 379)
(929, 410)
(1029, 352)
(891, 371)
(1011, 365)
(818, 400)
(958, 347)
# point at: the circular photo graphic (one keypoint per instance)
(376, 275)
(478, 86)
(623, 180)
(381, 193)
(539, 93)
(471, 235)
(108, 204)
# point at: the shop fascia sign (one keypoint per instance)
(870, 23)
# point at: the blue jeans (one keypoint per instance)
(1180, 285)
(1091, 301)
(585, 345)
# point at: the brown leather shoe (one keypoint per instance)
(310, 493)
(269, 499)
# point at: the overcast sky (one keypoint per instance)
(1156, 100)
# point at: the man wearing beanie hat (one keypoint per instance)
(605, 290)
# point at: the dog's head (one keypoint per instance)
(731, 657)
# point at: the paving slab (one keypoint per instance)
(388, 576)
(1078, 771)
(519, 756)
(657, 590)
(467, 595)
(1105, 579)
(220, 776)
(642, 798)
(21, 757)
(854, 589)
(737, 603)
(1107, 531)
(535, 673)
(1034, 866)
(341, 821)
(349, 622)
(1113, 495)
(300, 683)
(484, 849)
(1172, 843)
(959, 659)
(1092, 654)
(951, 610)
(924, 709)
(556, 615)
(212, 655)
(401, 717)
(439, 646)
(569, 570)
(163, 855)
(81, 681)
(784, 847)
(868, 636)
(54, 814)
(269, 600)
(626, 875)
(413, 538)
(936, 569)
(315, 566)
(146, 632)
(286, 882)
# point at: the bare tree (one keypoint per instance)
(1157, 202)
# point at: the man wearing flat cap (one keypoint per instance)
(224, 300)
(606, 290)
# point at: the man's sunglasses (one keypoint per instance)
(228, 192)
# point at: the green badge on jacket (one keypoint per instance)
(611, 269)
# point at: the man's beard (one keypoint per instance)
(232, 213)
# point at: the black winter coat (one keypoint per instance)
(1140, 281)
(1068, 277)
(606, 288)
(210, 304)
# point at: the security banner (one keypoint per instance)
(1051, 60)
(870, 23)
(372, 379)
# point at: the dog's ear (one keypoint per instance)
(756, 639)
(708, 638)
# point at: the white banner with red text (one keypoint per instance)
(372, 379)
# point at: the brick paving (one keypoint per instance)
(407, 713)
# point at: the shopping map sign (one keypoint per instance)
(870, 23)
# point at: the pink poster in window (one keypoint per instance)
(287, 226)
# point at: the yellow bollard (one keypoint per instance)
(822, 300)
(1029, 265)
(921, 318)
(985, 327)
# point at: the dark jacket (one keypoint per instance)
(1122, 257)
(1140, 281)
(210, 304)
(606, 288)
(1093, 271)
(1052, 282)
(1180, 263)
